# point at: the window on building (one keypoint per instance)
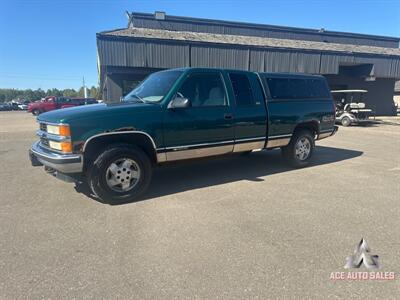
(204, 89)
(242, 89)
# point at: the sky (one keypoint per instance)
(52, 43)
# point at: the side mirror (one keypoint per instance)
(179, 102)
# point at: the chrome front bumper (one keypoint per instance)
(63, 163)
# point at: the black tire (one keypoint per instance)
(346, 121)
(98, 171)
(35, 112)
(289, 152)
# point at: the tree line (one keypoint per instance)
(32, 95)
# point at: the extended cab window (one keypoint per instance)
(293, 88)
(242, 89)
(206, 89)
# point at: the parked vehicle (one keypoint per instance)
(52, 103)
(5, 107)
(22, 106)
(13, 105)
(182, 114)
(349, 107)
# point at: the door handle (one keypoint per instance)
(228, 116)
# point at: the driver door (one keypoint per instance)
(205, 128)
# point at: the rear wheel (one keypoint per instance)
(300, 149)
(36, 112)
(346, 121)
(121, 173)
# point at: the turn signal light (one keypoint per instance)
(66, 147)
(65, 130)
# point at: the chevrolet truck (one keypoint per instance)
(183, 114)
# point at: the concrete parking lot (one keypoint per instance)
(235, 227)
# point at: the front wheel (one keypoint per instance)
(300, 149)
(121, 173)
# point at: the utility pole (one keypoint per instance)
(84, 88)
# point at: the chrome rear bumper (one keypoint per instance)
(64, 163)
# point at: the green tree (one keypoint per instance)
(69, 93)
(94, 92)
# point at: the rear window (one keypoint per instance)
(294, 88)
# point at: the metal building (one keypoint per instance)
(157, 41)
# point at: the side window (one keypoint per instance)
(279, 87)
(242, 89)
(204, 89)
(293, 88)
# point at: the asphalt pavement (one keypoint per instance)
(229, 228)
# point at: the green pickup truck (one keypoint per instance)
(183, 114)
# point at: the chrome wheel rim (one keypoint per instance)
(123, 175)
(303, 148)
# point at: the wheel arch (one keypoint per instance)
(312, 125)
(96, 143)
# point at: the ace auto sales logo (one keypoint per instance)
(362, 258)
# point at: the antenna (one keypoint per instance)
(84, 87)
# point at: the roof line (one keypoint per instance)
(263, 26)
(245, 41)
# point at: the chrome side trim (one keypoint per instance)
(52, 137)
(197, 153)
(278, 142)
(279, 136)
(327, 133)
(252, 139)
(324, 135)
(177, 148)
(248, 146)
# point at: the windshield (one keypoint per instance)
(154, 88)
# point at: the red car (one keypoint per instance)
(53, 102)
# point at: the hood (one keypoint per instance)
(66, 115)
(89, 120)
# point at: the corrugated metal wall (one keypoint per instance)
(267, 31)
(142, 54)
(159, 54)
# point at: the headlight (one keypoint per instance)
(61, 146)
(62, 130)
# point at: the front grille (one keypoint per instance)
(43, 127)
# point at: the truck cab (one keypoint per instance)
(184, 114)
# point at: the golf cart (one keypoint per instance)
(350, 109)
